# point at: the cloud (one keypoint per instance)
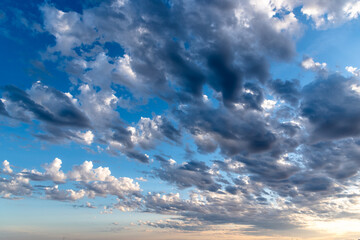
(211, 59)
(6, 167)
(245, 131)
(188, 174)
(332, 115)
(353, 70)
(93, 182)
(278, 151)
(17, 186)
(309, 64)
(288, 91)
(147, 130)
(332, 12)
(141, 179)
(52, 173)
(46, 104)
(54, 193)
(86, 173)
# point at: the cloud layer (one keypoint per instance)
(197, 76)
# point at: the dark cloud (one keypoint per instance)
(169, 131)
(56, 110)
(337, 159)
(189, 44)
(268, 169)
(332, 108)
(121, 135)
(3, 110)
(286, 90)
(188, 174)
(234, 131)
(133, 154)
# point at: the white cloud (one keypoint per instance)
(141, 179)
(15, 186)
(353, 70)
(92, 182)
(310, 64)
(85, 137)
(268, 104)
(68, 29)
(52, 172)
(7, 169)
(120, 187)
(86, 173)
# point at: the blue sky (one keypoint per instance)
(179, 119)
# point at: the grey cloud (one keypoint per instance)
(268, 169)
(286, 90)
(57, 111)
(181, 46)
(220, 209)
(332, 108)
(3, 110)
(133, 154)
(337, 159)
(188, 174)
(234, 131)
(15, 186)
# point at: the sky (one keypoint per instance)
(179, 119)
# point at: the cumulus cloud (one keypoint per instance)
(309, 64)
(92, 182)
(148, 130)
(6, 167)
(54, 193)
(17, 186)
(353, 70)
(52, 172)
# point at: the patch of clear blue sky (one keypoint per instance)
(336, 46)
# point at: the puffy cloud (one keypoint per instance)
(353, 70)
(120, 187)
(147, 130)
(100, 182)
(52, 173)
(327, 13)
(18, 186)
(6, 167)
(309, 64)
(212, 55)
(86, 173)
(64, 26)
(92, 182)
(54, 193)
(85, 137)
